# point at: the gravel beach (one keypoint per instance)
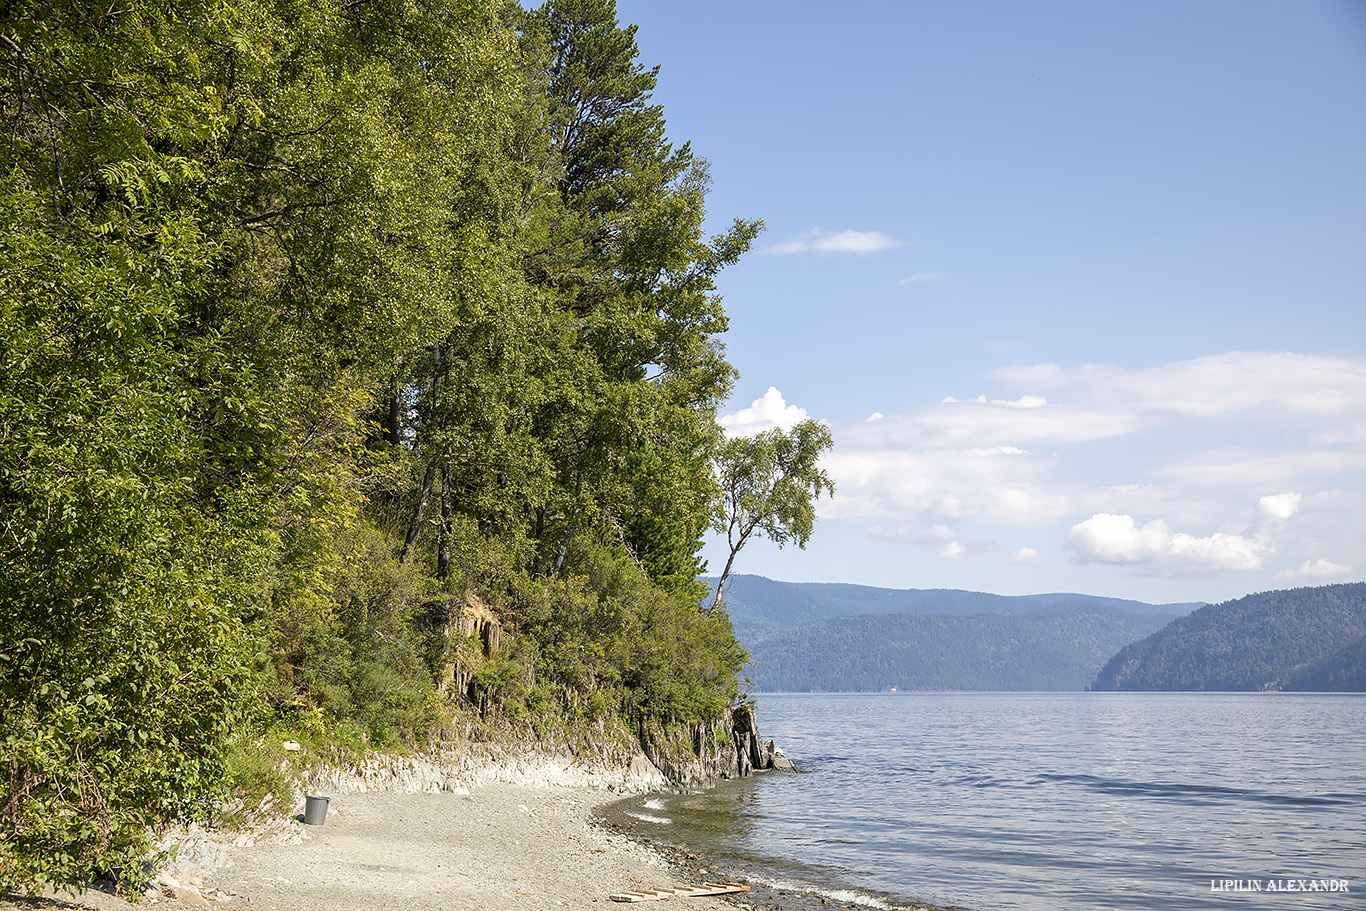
(500, 847)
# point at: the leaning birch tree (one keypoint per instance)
(770, 483)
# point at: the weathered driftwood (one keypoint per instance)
(654, 895)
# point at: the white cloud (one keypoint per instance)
(922, 277)
(1314, 571)
(1260, 467)
(965, 549)
(1229, 450)
(961, 423)
(1267, 383)
(1109, 538)
(1278, 507)
(954, 550)
(1098, 401)
(818, 241)
(993, 485)
(1025, 555)
(764, 413)
(875, 416)
(1024, 401)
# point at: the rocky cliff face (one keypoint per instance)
(727, 748)
(683, 754)
(467, 631)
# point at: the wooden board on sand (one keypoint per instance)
(654, 895)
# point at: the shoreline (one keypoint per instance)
(474, 826)
(775, 884)
(463, 831)
(501, 846)
(497, 845)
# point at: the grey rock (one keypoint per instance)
(780, 761)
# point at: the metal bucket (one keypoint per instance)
(315, 810)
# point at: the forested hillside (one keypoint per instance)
(1344, 671)
(835, 637)
(1053, 649)
(760, 607)
(316, 320)
(1301, 639)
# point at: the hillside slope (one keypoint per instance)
(760, 607)
(1057, 649)
(1301, 638)
(1342, 672)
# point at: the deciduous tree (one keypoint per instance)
(770, 483)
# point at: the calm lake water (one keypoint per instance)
(1047, 802)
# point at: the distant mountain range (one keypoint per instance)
(1306, 639)
(834, 637)
(805, 636)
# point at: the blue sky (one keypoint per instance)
(1095, 271)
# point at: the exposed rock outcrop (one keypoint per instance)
(463, 631)
(727, 748)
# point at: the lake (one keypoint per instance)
(1047, 801)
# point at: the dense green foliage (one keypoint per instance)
(1052, 649)
(315, 321)
(1302, 638)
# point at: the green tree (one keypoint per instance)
(629, 418)
(124, 662)
(313, 318)
(222, 225)
(770, 483)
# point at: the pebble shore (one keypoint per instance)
(501, 846)
(414, 835)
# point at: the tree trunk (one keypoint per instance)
(721, 582)
(393, 424)
(443, 543)
(415, 527)
(725, 573)
(569, 532)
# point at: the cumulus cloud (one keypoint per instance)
(1109, 538)
(922, 277)
(1314, 571)
(954, 550)
(1025, 555)
(1228, 450)
(1278, 507)
(818, 241)
(875, 416)
(965, 549)
(764, 413)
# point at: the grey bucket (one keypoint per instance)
(315, 810)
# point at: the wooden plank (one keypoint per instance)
(654, 895)
(720, 888)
